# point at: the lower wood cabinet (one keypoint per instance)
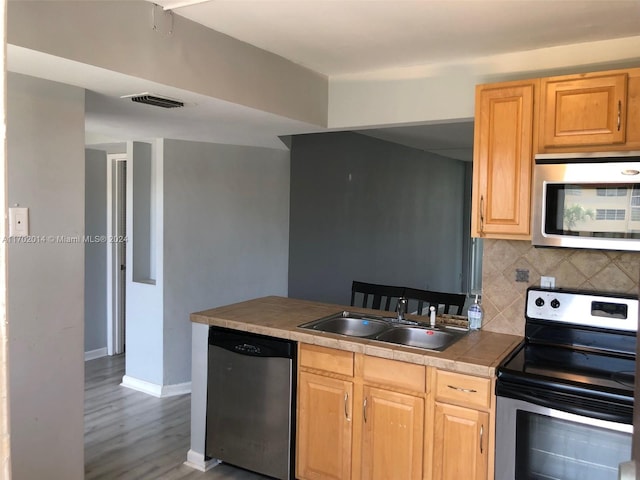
(464, 425)
(324, 427)
(369, 418)
(460, 448)
(392, 435)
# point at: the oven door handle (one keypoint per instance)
(555, 404)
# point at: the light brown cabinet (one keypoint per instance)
(325, 410)
(583, 110)
(359, 416)
(392, 436)
(461, 450)
(365, 417)
(502, 163)
(464, 422)
(324, 427)
(393, 419)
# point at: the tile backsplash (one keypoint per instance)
(504, 260)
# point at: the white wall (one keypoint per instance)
(226, 235)
(217, 65)
(45, 137)
(440, 92)
(144, 316)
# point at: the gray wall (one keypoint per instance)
(226, 214)
(45, 141)
(365, 209)
(95, 265)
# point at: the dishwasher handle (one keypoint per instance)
(250, 344)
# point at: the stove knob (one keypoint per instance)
(555, 303)
(539, 302)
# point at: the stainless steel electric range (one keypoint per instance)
(565, 396)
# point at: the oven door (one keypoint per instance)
(535, 442)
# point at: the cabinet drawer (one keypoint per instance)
(328, 359)
(394, 373)
(463, 390)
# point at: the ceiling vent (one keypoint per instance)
(156, 100)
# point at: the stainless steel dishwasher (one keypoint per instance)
(251, 402)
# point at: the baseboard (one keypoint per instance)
(196, 460)
(93, 354)
(160, 391)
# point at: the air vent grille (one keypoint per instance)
(157, 101)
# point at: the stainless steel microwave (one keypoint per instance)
(587, 200)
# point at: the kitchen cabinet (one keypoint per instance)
(371, 418)
(464, 419)
(392, 419)
(584, 110)
(324, 427)
(359, 416)
(502, 161)
(461, 447)
(325, 406)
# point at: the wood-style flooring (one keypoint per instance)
(131, 435)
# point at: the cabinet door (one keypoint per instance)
(393, 435)
(460, 443)
(583, 110)
(324, 427)
(502, 163)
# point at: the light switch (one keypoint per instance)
(18, 222)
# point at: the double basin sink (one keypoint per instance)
(403, 332)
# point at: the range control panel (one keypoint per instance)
(602, 310)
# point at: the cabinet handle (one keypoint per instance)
(346, 412)
(619, 113)
(364, 410)
(464, 390)
(481, 214)
(481, 438)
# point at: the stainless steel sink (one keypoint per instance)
(350, 324)
(386, 329)
(422, 337)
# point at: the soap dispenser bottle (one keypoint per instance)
(474, 315)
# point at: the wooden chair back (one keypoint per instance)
(426, 298)
(377, 297)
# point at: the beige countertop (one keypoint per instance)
(478, 353)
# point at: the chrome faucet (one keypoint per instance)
(402, 308)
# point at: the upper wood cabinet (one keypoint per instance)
(583, 110)
(502, 162)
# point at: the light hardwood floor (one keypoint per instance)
(131, 435)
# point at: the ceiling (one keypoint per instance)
(337, 37)
(341, 38)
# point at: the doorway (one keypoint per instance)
(116, 252)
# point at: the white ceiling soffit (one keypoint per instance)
(203, 118)
(337, 37)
